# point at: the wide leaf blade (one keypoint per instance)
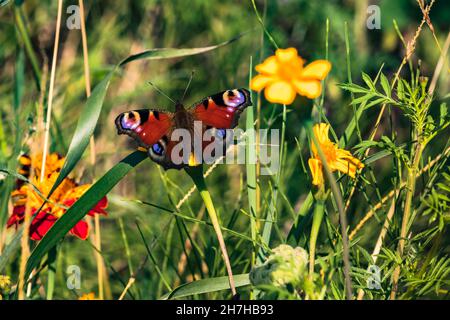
(207, 285)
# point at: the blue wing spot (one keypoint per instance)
(158, 149)
(221, 133)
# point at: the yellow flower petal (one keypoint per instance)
(269, 66)
(345, 166)
(316, 171)
(76, 192)
(308, 88)
(321, 132)
(286, 55)
(280, 92)
(259, 82)
(316, 70)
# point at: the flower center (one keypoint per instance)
(289, 70)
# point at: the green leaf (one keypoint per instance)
(85, 128)
(377, 156)
(368, 81)
(443, 112)
(385, 85)
(250, 148)
(170, 53)
(353, 88)
(206, 285)
(297, 232)
(10, 249)
(80, 208)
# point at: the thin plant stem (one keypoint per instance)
(25, 248)
(50, 92)
(410, 190)
(380, 240)
(196, 173)
(271, 39)
(97, 227)
(22, 31)
(318, 213)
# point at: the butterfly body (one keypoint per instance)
(153, 128)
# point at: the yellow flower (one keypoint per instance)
(87, 296)
(284, 75)
(337, 159)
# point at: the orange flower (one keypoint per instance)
(87, 296)
(337, 159)
(284, 75)
(67, 193)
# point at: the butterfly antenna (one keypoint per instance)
(187, 87)
(160, 91)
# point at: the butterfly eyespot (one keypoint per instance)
(233, 98)
(221, 133)
(130, 120)
(158, 149)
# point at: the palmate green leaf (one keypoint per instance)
(206, 286)
(92, 109)
(364, 106)
(81, 207)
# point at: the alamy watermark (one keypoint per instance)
(74, 20)
(223, 146)
(73, 277)
(374, 17)
(374, 278)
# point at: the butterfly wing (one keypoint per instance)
(222, 110)
(151, 129)
(218, 113)
(146, 126)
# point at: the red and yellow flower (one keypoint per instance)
(284, 75)
(337, 159)
(67, 193)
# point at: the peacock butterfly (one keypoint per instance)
(155, 130)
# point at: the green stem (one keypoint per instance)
(127, 247)
(51, 272)
(251, 170)
(22, 30)
(410, 190)
(317, 221)
(267, 229)
(196, 173)
(271, 39)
